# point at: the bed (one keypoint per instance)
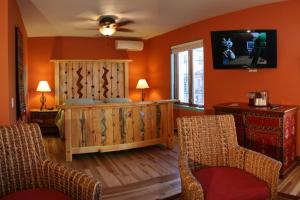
(103, 125)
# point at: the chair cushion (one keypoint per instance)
(231, 183)
(37, 194)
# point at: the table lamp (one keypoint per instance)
(142, 84)
(43, 87)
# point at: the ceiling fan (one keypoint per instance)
(108, 25)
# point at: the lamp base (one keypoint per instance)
(43, 101)
(142, 95)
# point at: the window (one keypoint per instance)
(188, 73)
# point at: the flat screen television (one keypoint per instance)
(244, 49)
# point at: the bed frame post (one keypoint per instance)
(126, 84)
(56, 79)
(68, 130)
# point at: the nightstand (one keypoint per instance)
(46, 120)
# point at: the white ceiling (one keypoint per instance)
(151, 17)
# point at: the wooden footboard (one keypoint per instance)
(117, 126)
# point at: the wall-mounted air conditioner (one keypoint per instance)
(129, 45)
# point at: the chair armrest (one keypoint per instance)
(263, 167)
(74, 184)
(191, 188)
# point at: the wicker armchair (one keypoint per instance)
(24, 165)
(210, 140)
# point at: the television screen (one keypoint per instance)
(244, 49)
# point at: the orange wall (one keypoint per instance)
(42, 49)
(4, 94)
(9, 18)
(232, 85)
(137, 70)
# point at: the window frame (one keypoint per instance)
(190, 46)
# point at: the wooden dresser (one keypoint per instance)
(271, 131)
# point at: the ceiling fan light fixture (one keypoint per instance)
(107, 30)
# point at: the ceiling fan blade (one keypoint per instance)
(124, 30)
(92, 20)
(92, 29)
(123, 23)
(87, 19)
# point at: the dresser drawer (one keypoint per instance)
(265, 142)
(263, 122)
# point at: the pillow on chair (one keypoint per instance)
(37, 194)
(231, 183)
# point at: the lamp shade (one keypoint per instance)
(142, 84)
(43, 87)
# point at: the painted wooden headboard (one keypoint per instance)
(97, 79)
